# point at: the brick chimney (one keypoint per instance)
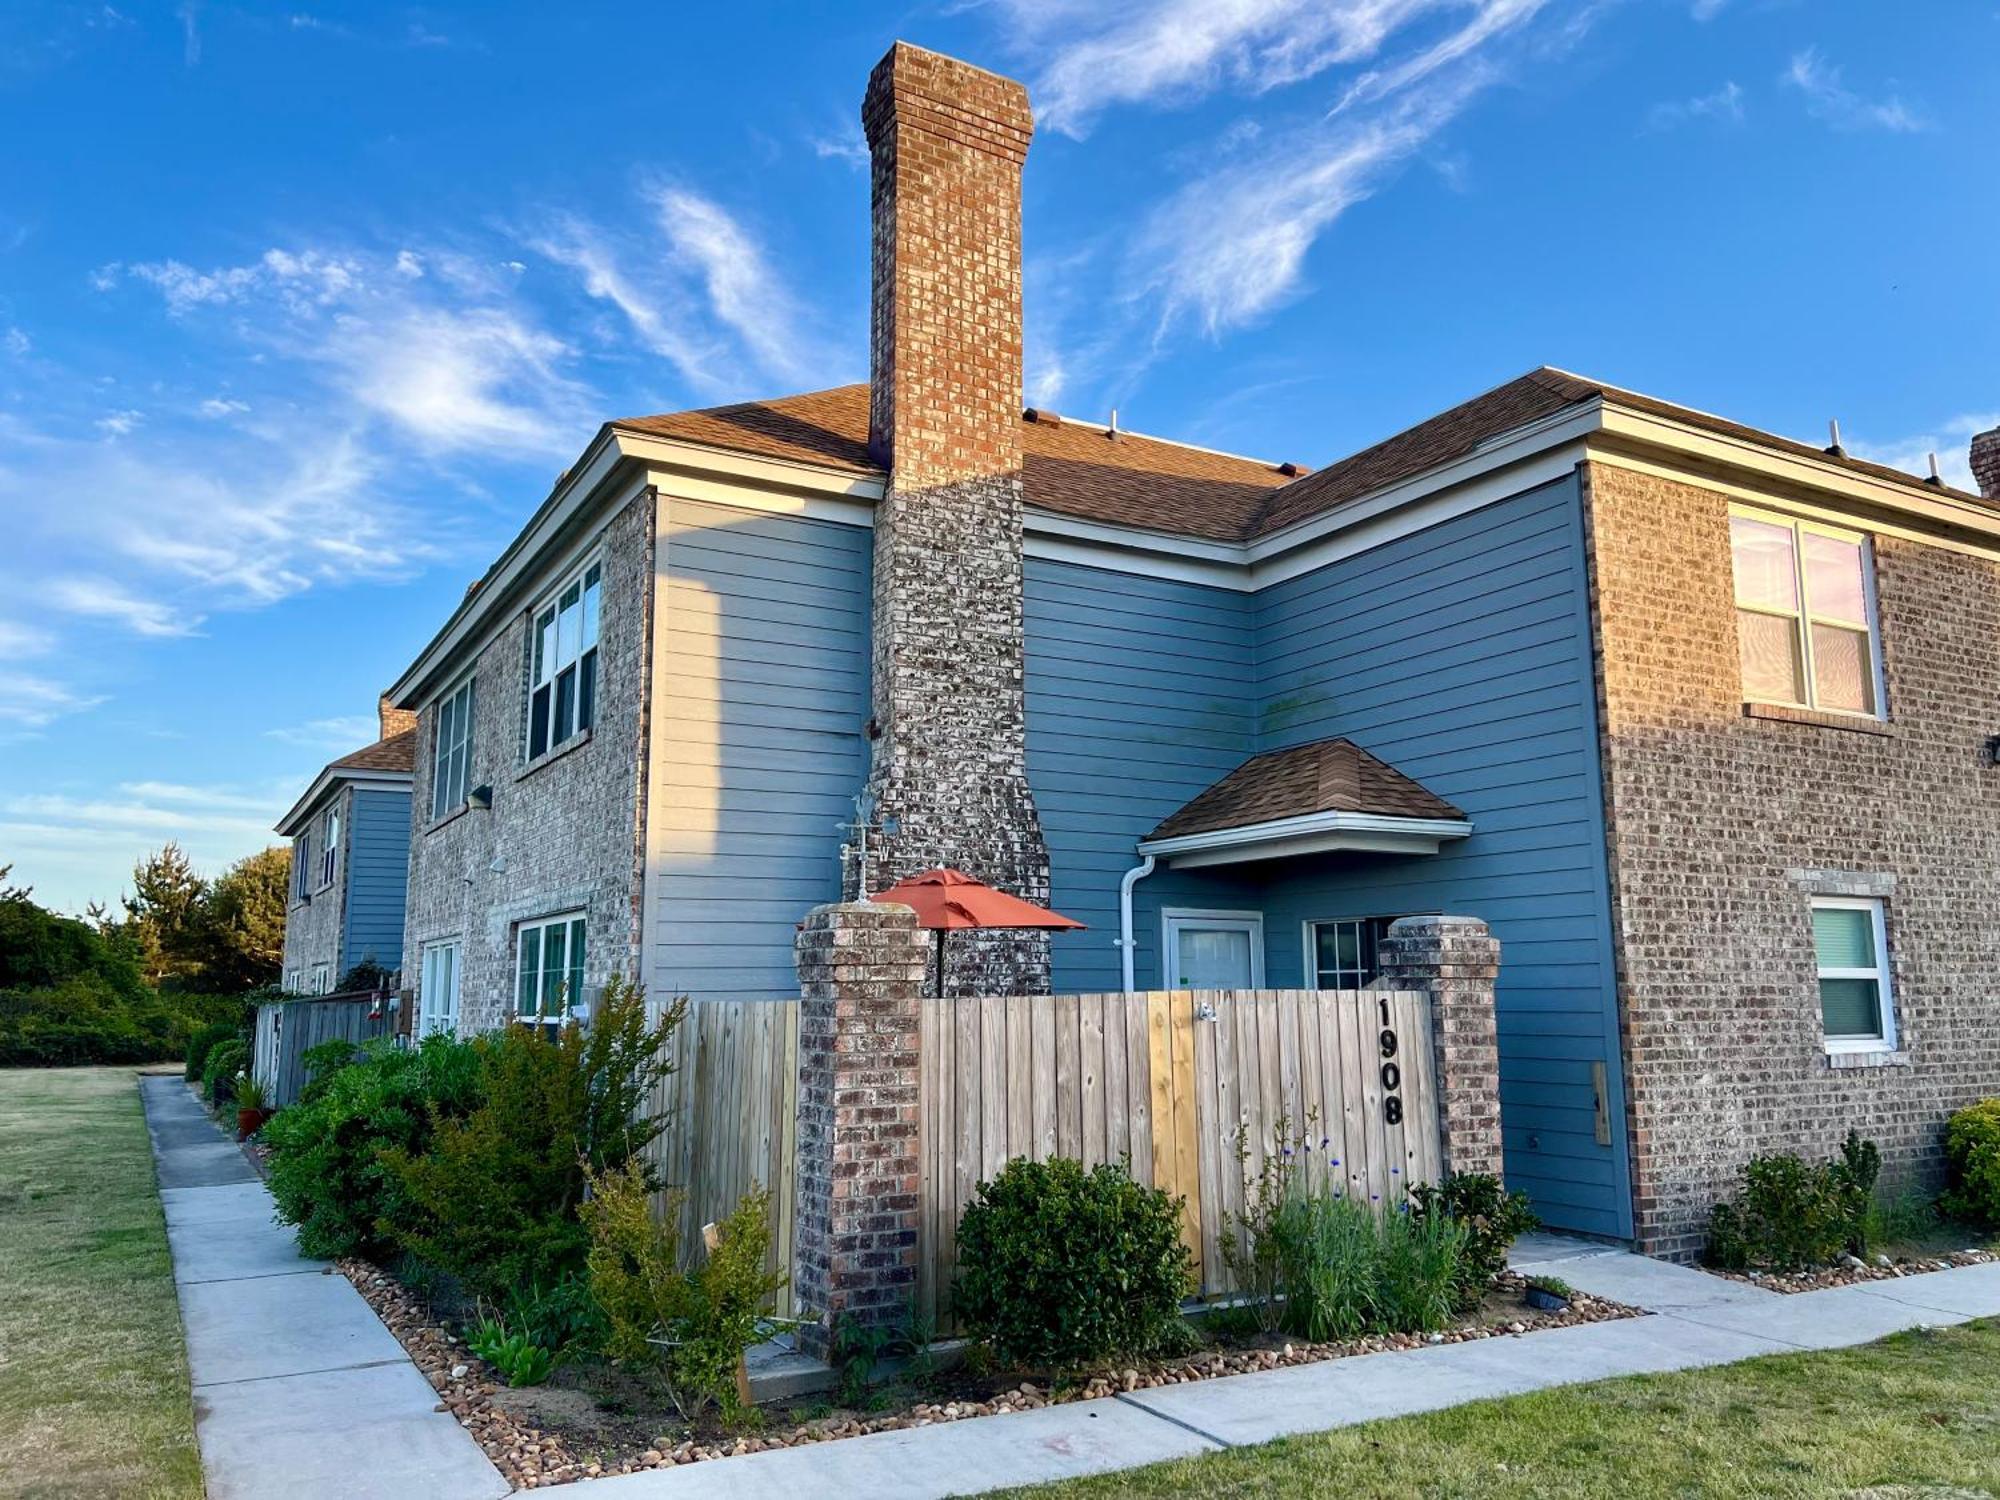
(948, 782)
(1986, 463)
(393, 720)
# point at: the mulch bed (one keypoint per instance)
(1853, 1272)
(504, 1422)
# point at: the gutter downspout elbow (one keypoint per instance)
(1132, 877)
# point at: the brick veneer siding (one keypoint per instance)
(948, 779)
(1721, 825)
(1456, 959)
(313, 927)
(563, 833)
(860, 1188)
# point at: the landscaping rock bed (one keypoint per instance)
(503, 1422)
(1853, 1271)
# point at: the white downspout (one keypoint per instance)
(1132, 877)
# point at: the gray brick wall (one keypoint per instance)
(563, 834)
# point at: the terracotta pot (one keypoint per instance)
(249, 1122)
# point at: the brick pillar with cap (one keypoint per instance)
(1455, 959)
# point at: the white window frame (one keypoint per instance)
(545, 670)
(1884, 990)
(322, 979)
(302, 867)
(329, 854)
(571, 921)
(446, 753)
(1803, 618)
(1311, 942)
(1174, 918)
(441, 978)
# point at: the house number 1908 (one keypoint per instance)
(1392, 1072)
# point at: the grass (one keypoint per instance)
(1917, 1415)
(94, 1395)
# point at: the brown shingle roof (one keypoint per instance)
(396, 753)
(1075, 469)
(1325, 776)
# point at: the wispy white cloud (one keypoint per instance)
(1724, 106)
(299, 280)
(346, 732)
(18, 641)
(745, 295)
(15, 343)
(217, 407)
(100, 598)
(119, 423)
(30, 703)
(1950, 440)
(845, 144)
(190, 33)
(1830, 100)
(1707, 10)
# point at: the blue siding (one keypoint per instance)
(764, 642)
(1141, 692)
(378, 871)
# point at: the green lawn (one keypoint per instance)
(93, 1377)
(1915, 1417)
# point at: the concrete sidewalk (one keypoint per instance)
(1699, 1320)
(299, 1391)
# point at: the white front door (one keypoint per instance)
(1214, 950)
(437, 999)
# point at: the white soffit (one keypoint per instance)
(1311, 833)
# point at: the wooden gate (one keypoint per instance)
(1177, 1080)
(287, 1028)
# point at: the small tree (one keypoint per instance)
(239, 933)
(164, 912)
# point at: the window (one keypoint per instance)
(562, 676)
(451, 762)
(1804, 608)
(322, 979)
(1851, 945)
(1341, 955)
(437, 995)
(302, 867)
(548, 983)
(329, 855)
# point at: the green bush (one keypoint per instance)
(1791, 1214)
(1423, 1270)
(492, 1197)
(202, 1042)
(690, 1326)
(321, 1061)
(1329, 1265)
(1061, 1267)
(1972, 1156)
(218, 1073)
(1491, 1217)
(325, 1161)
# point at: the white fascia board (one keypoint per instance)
(1311, 833)
(326, 781)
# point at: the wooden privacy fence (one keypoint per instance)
(1176, 1079)
(731, 1110)
(287, 1028)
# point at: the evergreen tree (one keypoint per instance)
(242, 922)
(165, 914)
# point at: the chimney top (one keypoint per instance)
(1986, 463)
(393, 720)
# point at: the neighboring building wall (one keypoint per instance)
(758, 751)
(1461, 656)
(1718, 820)
(1141, 693)
(562, 835)
(314, 928)
(377, 877)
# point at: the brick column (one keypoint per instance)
(1456, 959)
(861, 971)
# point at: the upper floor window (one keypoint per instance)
(329, 854)
(562, 677)
(451, 765)
(302, 867)
(1804, 614)
(1850, 943)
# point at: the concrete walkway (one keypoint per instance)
(299, 1391)
(1700, 1320)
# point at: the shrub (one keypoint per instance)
(202, 1042)
(1423, 1270)
(1061, 1267)
(561, 1316)
(1791, 1215)
(218, 1073)
(1972, 1155)
(519, 1359)
(250, 1094)
(1252, 1242)
(692, 1326)
(1491, 1217)
(321, 1061)
(492, 1198)
(325, 1155)
(1329, 1253)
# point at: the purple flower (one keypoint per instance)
(1395, 1171)
(1335, 1162)
(1323, 1142)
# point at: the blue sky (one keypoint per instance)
(302, 308)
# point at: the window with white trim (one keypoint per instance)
(451, 759)
(302, 867)
(437, 993)
(322, 979)
(329, 854)
(562, 667)
(1805, 614)
(548, 968)
(1341, 954)
(1851, 948)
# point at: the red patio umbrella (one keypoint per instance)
(947, 900)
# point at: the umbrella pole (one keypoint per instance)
(940, 963)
